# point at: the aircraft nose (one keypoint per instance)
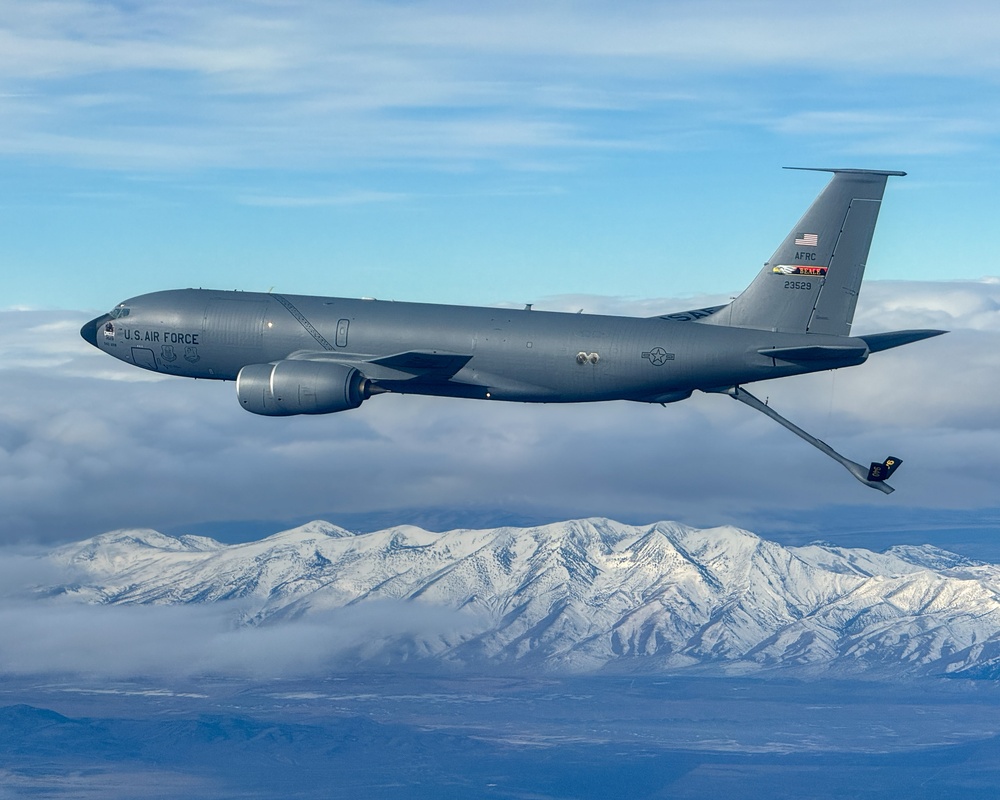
(89, 331)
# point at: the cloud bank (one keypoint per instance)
(192, 641)
(89, 445)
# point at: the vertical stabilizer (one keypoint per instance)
(811, 283)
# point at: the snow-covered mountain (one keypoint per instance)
(584, 594)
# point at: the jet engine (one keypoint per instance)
(300, 387)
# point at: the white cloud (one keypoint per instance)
(896, 132)
(59, 635)
(971, 305)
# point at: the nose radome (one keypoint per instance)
(89, 331)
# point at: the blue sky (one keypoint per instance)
(483, 154)
(623, 158)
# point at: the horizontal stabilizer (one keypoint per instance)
(816, 352)
(890, 172)
(881, 472)
(877, 342)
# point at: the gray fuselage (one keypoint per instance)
(461, 351)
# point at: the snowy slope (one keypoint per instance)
(587, 594)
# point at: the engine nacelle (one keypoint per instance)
(300, 387)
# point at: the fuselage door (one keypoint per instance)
(143, 357)
(342, 326)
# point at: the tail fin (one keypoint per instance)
(811, 283)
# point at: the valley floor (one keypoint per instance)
(433, 736)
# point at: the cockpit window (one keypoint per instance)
(119, 311)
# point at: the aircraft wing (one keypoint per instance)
(426, 372)
(425, 367)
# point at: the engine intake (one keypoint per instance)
(287, 388)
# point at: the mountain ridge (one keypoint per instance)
(583, 595)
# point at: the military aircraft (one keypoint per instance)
(294, 354)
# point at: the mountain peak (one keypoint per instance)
(316, 530)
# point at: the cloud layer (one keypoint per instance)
(89, 445)
(177, 85)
